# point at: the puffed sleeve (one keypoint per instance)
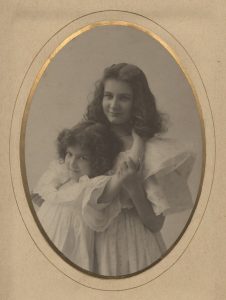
(98, 216)
(55, 175)
(166, 168)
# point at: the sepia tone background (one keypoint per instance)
(199, 273)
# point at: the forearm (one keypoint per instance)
(144, 207)
(111, 190)
(137, 150)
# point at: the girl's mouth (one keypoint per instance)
(114, 113)
(74, 171)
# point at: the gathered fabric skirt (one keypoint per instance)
(126, 246)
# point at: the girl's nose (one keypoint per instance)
(73, 163)
(114, 103)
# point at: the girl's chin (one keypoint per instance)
(74, 176)
(117, 121)
(123, 125)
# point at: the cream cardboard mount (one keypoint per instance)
(32, 265)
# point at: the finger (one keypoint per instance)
(138, 164)
(135, 165)
(131, 164)
(35, 196)
(120, 170)
(124, 165)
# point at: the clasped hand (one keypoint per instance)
(128, 173)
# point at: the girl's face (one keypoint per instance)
(117, 101)
(77, 161)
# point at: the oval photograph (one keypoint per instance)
(114, 150)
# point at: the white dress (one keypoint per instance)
(62, 212)
(123, 245)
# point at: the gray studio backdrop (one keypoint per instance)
(67, 85)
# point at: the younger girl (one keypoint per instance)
(66, 191)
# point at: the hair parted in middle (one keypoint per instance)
(146, 120)
(100, 144)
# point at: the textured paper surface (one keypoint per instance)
(199, 272)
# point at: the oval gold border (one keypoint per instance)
(24, 123)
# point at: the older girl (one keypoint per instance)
(124, 102)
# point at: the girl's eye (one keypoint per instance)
(83, 157)
(107, 96)
(125, 98)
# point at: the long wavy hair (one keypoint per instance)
(146, 120)
(99, 143)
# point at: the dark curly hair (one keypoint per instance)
(97, 140)
(146, 120)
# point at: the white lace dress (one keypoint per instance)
(62, 212)
(123, 245)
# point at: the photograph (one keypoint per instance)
(114, 151)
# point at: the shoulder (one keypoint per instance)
(163, 144)
(165, 154)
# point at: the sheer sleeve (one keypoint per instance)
(156, 195)
(167, 166)
(162, 156)
(49, 183)
(98, 216)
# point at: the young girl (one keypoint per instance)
(124, 102)
(64, 195)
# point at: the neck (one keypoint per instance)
(124, 134)
(121, 130)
